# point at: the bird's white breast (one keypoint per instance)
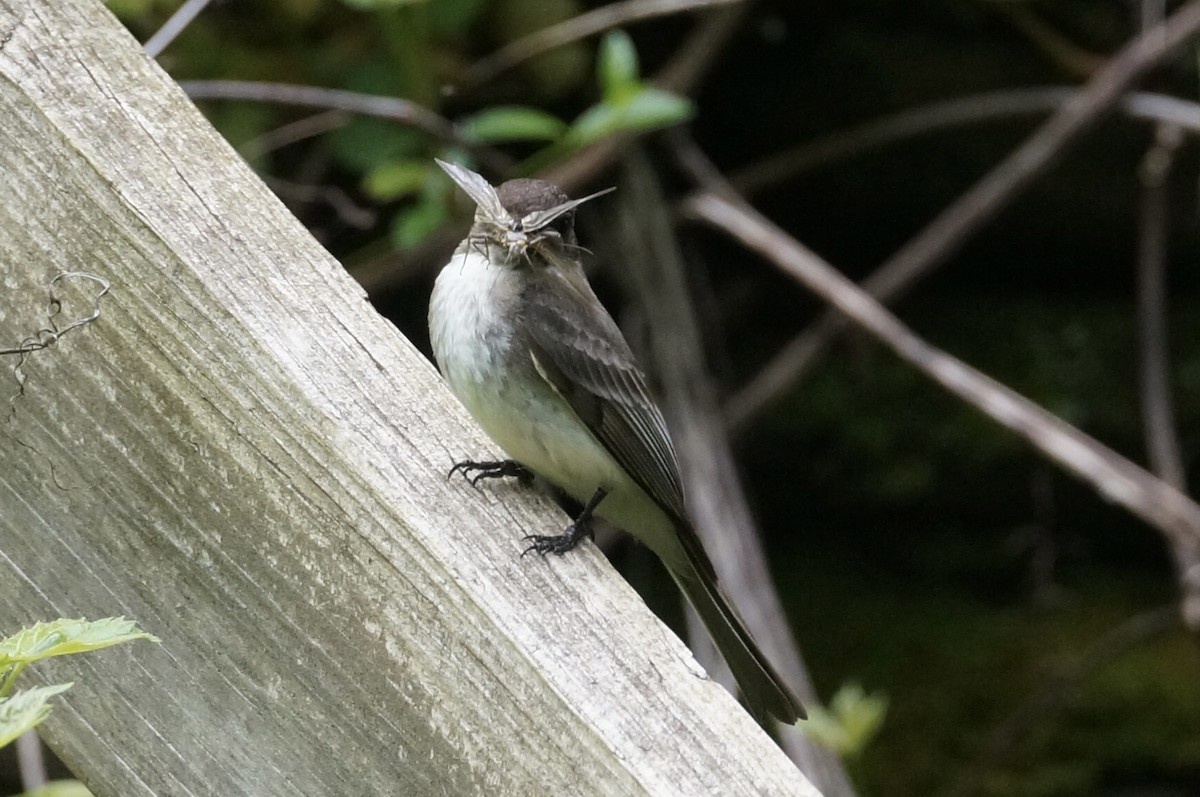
(490, 369)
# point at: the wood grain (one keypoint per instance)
(243, 456)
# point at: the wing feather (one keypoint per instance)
(581, 352)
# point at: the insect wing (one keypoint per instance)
(540, 218)
(480, 190)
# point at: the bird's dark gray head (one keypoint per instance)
(521, 215)
(525, 196)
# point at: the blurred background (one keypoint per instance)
(1024, 634)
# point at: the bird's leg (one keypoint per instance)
(561, 543)
(491, 469)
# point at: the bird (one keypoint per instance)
(526, 346)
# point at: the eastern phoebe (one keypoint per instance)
(529, 350)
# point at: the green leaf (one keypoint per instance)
(597, 122)
(25, 709)
(512, 123)
(395, 180)
(648, 109)
(63, 637)
(653, 109)
(618, 66)
(412, 226)
(368, 143)
(60, 788)
(850, 722)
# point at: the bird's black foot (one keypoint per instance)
(543, 544)
(473, 471)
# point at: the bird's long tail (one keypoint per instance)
(762, 688)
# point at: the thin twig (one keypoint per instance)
(687, 67)
(601, 19)
(174, 26)
(31, 763)
(308, 127)
(693, 60)
(1116, 478)
(396, 109)
(680, 75)
(1158, 412)
(1069, 56)
(393, 108)
(946, 233)
(347, 210)
(926, 119)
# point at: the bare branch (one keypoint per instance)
(1116, 478)
(716, 500)
(394, 108)
(680, 75)
(174, 26)
(926, 119)
(601, 19)
(31, 763)
(985, 199)
(344, 207)
(1062, 51)
(1158, 413)
(1157, 410)
(311, 126)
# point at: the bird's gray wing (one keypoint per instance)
(578, 349)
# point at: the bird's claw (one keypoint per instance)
(542, 544)
(473, 471)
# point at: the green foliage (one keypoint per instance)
(849, 723)
(452, 18)
(397, 179)
(25, 709)
(128, 9)
(60, 788)
(641, 111)
(65, 637)
(618, 67)
(395, 162)
(507, 123)
(627, 105)
(415, 50)
(416, 223)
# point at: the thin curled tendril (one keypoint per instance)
(48, 335)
